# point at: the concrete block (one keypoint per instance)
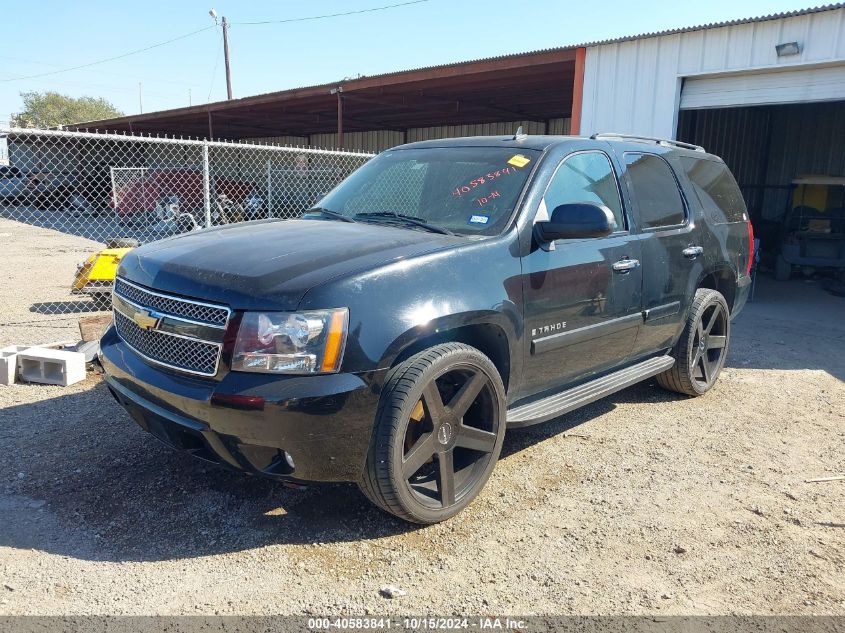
(51, 366)
(9, 363)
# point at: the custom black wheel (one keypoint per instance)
(701, 351)
(438, 434)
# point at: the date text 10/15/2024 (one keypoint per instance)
(484, 623)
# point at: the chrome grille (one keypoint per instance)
(185, 354)
(138, 316)
(191, 310)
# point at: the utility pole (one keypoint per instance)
(190, 101)
(226, 57)
(213, 14)
(140, 98)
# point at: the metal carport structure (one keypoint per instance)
(538, 88)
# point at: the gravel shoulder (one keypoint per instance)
(643, 503)
(39, 265)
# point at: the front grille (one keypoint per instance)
(185, 354)
(191, 310)
(134, 305)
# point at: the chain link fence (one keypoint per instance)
(114, 190)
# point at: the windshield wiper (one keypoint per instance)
(409, 219)
(330, 213)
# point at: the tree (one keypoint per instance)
(50, 109)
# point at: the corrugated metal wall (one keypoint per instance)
(296, 141)
(739, 136)
(635, 86)
(805, 139)
(480, 129)
(380, 140)
(374, 141)
(766, 147)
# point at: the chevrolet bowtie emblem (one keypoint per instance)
(146, 320)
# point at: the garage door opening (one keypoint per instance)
(789, 161)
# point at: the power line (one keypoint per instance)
(331, 15)
(59, 84)
(102, 72)
(186, 35)
(111, 59)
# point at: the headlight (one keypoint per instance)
(291, 342)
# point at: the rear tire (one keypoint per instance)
(701, 351)
(438, 434)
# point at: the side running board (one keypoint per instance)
(571, 399)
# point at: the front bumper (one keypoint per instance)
(249, 421)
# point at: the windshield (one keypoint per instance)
(467, 190)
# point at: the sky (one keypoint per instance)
(43, 37)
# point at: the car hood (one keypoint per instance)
(271, 264)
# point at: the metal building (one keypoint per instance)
(641, 84)
(767, 94)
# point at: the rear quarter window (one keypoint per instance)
(716, 189)
(658, 199)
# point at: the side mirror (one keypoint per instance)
(577, 220)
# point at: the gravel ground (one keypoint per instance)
(643, 503)
(36, 280)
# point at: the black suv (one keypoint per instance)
(443, 292)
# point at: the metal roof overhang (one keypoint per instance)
(531, 86)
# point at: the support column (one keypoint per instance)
(206, 184)
(339, 92)
(578, 90)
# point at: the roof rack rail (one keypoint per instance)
(649, 139)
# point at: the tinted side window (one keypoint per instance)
(716, 189)
(586, 177)
(655, 191)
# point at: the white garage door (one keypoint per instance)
(785, 86)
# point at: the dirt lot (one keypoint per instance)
(644, 503)
(39, 265)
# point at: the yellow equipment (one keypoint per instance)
(95, 276)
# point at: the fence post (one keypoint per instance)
(206, 185)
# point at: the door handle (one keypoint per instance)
(691, 252)
(626, 265)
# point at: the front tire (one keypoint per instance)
(701, 351)
(438, 434)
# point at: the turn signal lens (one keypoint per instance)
(309, 342)
(334, 341)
